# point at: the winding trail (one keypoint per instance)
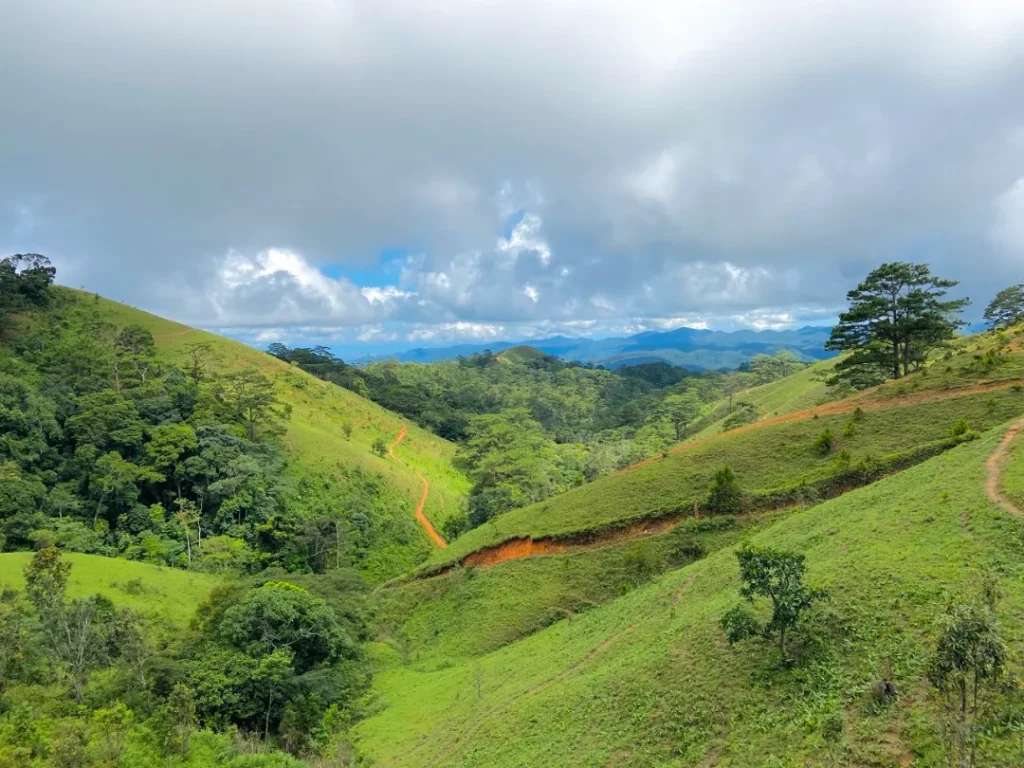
(865, 401)
(521, 547)
(994, 471)
(421, 518)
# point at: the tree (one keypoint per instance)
(248, 397)
(969, 659)
(896, 315)
(1007, 308)
(75, 634)
(725, 497)
(778, 576)
(681, 410)
(25, 280)
(187, 516)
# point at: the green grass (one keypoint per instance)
(766, 459)
(315, 437)
(151, 590)
(803, 389)
(469, 611)
(648, 680)
(1013, 473)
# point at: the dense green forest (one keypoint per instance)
(107, 450)
(531, 425)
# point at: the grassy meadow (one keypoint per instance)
(648, 679)
(153, 591)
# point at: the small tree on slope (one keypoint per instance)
(968, 663)
(778, 576)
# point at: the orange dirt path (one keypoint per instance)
(841, 407)
(994, 471)
(525, 546)
(421, 518)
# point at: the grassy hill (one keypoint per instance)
(647, 679)
(979, 382)
(315, 435)
(151, 590)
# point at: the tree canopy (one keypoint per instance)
(1007, 308)
(896, 316)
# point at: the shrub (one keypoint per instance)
(725, 497)
(825, 443)
(960, 428)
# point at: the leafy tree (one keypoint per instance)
(248, 398)
(681, 410)
(75, 633)
(380, 447)
(281, 616)
(25, 279)
(1007, 308)
(726, 496)
(777, 576)
(969, 661)
(896, 315)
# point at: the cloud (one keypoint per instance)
(727, 162)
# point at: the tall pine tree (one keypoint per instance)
(896, 315)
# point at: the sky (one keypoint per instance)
(381, 174)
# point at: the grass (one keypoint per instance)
(151, 590)
(315, 436)
(765, 460)
(803, 389)
(469, 611)
(1013, 473)
(648, 680)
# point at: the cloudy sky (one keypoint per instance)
(401, 173)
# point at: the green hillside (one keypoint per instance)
(648, 679)
(804, 389)
(161, 593)
(888, 426)
(315, 431)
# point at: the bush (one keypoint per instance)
(825, 443)
(725, 497)
(960, 428)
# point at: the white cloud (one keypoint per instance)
(689, 159)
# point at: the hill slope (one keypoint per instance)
(151, 590)
(648, 679)
(315, 434)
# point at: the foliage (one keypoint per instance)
(896, 316)
(969, 660)
(725, 496)
(24, 282)
(1007, 308)
(777, 576)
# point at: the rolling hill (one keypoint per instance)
(584, 630)
(316, 438)
(647, 679)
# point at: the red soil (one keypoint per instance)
(421, 518)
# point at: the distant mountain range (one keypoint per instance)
(691, 348)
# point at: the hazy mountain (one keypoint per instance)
(692, 348)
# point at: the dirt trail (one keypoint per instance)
(525, 546)
(421, 518)
(994, 471)
(840, 407)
